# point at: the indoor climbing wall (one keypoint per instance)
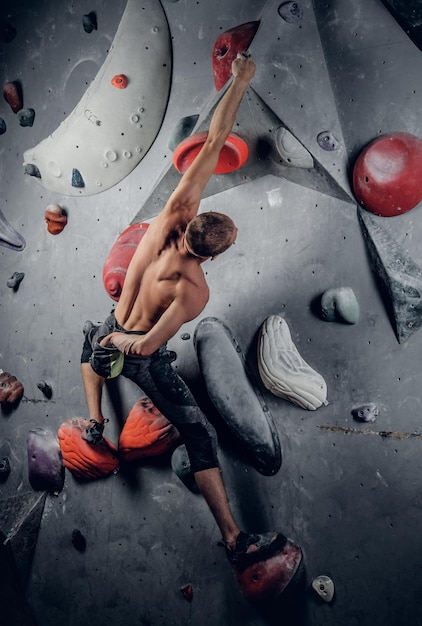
(104, 105)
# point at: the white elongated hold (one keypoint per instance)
(324, 587)
(293, 153)
(119, 116)
(282, 369)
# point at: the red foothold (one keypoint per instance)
(120, 81)
(12, 95)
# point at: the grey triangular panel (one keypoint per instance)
(399, 275)
(20, 519)
(257, 124)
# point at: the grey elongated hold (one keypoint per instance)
(282, 369)
(9, 237)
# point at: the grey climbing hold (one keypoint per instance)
(15, 280)
(4, 469)
(398, 274)
(340, 304)
(9, 237)
(366, 412)
(324, 587)
(292, 152)
(185, 336)
(77, 180)
(290, 12)
(26, 117)
(3, 126)
(180, 465)
(32, 170)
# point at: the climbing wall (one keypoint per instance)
(331, 77)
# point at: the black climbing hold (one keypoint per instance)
(2, 126)
(45, 388)
(78, 540)
(185, 336)
(183, 129)
(7, 31)
(32, 170)
(89, 22)
(366, 412)
(290, 12)
(26, 117)
(15, 280)
(4, 469)
(77, 180)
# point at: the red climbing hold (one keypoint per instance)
(55, 218)
(387, 176)
(13, 96)
(120, 81)
(233, 155)
(120, 255)
(227, 46)
(266, 580)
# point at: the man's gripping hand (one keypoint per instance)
(243, 66)
(128, 344)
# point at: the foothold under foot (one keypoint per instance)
(4, 469)
(15, 280)
(45, 388)
(89, 22)
(78, 540)
(339, 304)
(366, 412)
(324, 587)
(12, 93)
(26, 117)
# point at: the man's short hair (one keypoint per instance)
(209, 234)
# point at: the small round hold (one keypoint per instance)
(4, 469)
(327, 141)
(26, 117)
(324, 587)
(89, 22)
(32, 170)
(3, 126)
(120, 81)
(185, 336)
(78, 540)
(15, 280)
(290, 12)
(45, 388)
(366, 412)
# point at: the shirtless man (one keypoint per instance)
(165, 287)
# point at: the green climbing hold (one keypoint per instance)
(340, 305)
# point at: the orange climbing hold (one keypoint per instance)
(233, 155)
(56, 219)
(85, 460)
(120, 81)
(146, 433)
(120, 255)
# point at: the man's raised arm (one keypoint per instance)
(187, 194)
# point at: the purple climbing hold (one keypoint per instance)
(77, 180)
(45, 465)
(327, 141)
(26, 117)
(366, 412)
(290, 12)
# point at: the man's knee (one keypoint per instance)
(201, 445)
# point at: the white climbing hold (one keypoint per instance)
(324, 587)
(293, 153)
(282, 369)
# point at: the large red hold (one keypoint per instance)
(225, 50)
(146, 433)
(120, 255)
(387, 176)
(85, 460)
(233, 155)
